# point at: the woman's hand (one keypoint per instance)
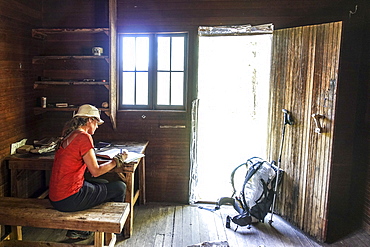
(96, 169)
(120, 158)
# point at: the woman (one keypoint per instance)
(68, 189)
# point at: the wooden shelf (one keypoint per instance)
(42, 33)
(69, 83)
(110, 32)
(39, 59)
(40, 110)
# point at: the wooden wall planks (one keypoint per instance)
(364, 129)
(17, 18)
(303, 86)
(168, 151)
(70, 13)
(331, 169)
(178, 15)
(182, 13)
(167, 154)
(351, 142)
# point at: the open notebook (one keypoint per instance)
(110, 153)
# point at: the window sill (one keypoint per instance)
(154, 111)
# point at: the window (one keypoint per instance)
(153, 71)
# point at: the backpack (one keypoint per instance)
(255, 198)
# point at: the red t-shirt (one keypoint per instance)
(68, 170)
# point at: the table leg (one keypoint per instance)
(142, 181)
(13, 183)
(130, 192)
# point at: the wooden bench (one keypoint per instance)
(104, 220)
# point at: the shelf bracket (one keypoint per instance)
(38, 35)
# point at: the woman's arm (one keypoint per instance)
(96, 169)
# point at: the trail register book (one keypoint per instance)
(110, 153)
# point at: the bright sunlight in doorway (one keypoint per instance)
(233, 90)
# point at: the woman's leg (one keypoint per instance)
(116, 191)
(90, 195)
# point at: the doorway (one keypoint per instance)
(232, 111)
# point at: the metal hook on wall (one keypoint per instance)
(316, 118)
(352, 12)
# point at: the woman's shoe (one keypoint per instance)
(73, 234)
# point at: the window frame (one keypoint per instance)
(152, 71)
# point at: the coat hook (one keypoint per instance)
(353, 12)
(316, 118)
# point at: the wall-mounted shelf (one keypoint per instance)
(42, 33)
(63, 68)
(74, 70)
(68, 83)
(40, 110)
(40, 59)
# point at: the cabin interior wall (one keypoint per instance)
(168, 152)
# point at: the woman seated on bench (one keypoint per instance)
(68, 189)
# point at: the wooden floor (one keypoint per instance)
(181, 226)
(161, 225)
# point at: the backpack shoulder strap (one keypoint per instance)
(233, 174)
(248, 163)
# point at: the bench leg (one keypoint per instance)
(16, 233)
(110, 239)
(99, 239)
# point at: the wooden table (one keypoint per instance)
(44, 162)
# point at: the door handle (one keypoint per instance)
(316, 118)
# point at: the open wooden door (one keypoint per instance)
(113, 61)
(304, 79)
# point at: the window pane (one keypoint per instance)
(128, 53)
(142, 88)
(177, 88)
(163, 53)
(163, 88)
(177, 53)
(142, 53)
(152, 68)
(128, 88)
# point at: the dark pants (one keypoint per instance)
(91, 194)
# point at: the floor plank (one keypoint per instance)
(168, 225)
(192, 225)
